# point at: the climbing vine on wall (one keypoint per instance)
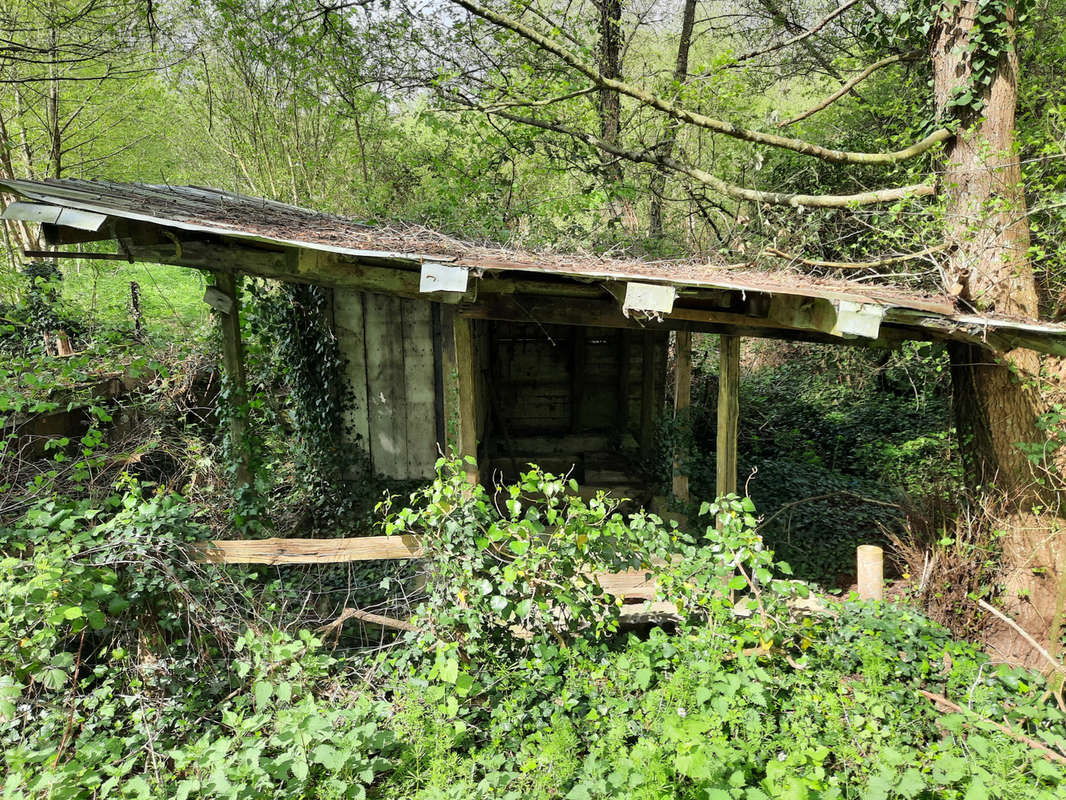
(293, 322)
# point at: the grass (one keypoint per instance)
(170, 297)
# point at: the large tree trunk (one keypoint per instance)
(996, 400)
(610, 106)
(665, 146)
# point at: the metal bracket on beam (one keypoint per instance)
(437, 277)
(857, 319)
(649, 298)
(55, 215)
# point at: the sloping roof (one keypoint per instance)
(225, 213)
(238, 217)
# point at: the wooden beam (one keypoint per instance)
(647, 394)
(598, 313)
(233, 363)
(728, 414)
(682, 401)
(460, 402)
(307, 551)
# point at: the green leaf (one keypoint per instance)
(910, 783)
(329, 757)
(463, 682)
(137, 787)
(518, 546)
(642, 678)
(738, 582)
(449, 671)
(263, 691)
(53, 678)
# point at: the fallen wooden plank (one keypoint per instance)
(629, 584)
(634, 583)
(307, 551)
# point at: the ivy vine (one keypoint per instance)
(294, 324)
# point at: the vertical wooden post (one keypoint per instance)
(459, 393)
(871, 572)
(233, 362)
(682, 401)
(647, 394)
(728, 413)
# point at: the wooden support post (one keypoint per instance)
(647, 394)
(682, 401)
(233, 363)
(871, 572)
(728, 413)
(459, 390)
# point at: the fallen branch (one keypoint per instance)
(827, 496)
(943, 703)
(1022, 632)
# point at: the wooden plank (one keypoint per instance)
(351, 338)
(420, 391)
(385, 385)
(467, 407)
(647, 394)
(682, 401)
(459, 390)
(450, 381)
(728, 414)
(307, 551)
(233, 363)
(581, 311)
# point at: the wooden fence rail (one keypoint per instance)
(307, 551)
(632, 584)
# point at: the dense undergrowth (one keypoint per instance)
(837, 447)
(128, 670)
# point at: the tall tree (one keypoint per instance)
(997, 405)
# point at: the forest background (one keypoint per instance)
(428, 113)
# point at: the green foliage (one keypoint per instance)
(126, 672)
(293, 349)
(838, 447)
(522, 557)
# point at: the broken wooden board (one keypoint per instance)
(307, 551)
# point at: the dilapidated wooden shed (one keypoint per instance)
(506, 356)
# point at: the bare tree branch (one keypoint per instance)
(719, 185)
(799, 37)
(693, 118)
(851, 84)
